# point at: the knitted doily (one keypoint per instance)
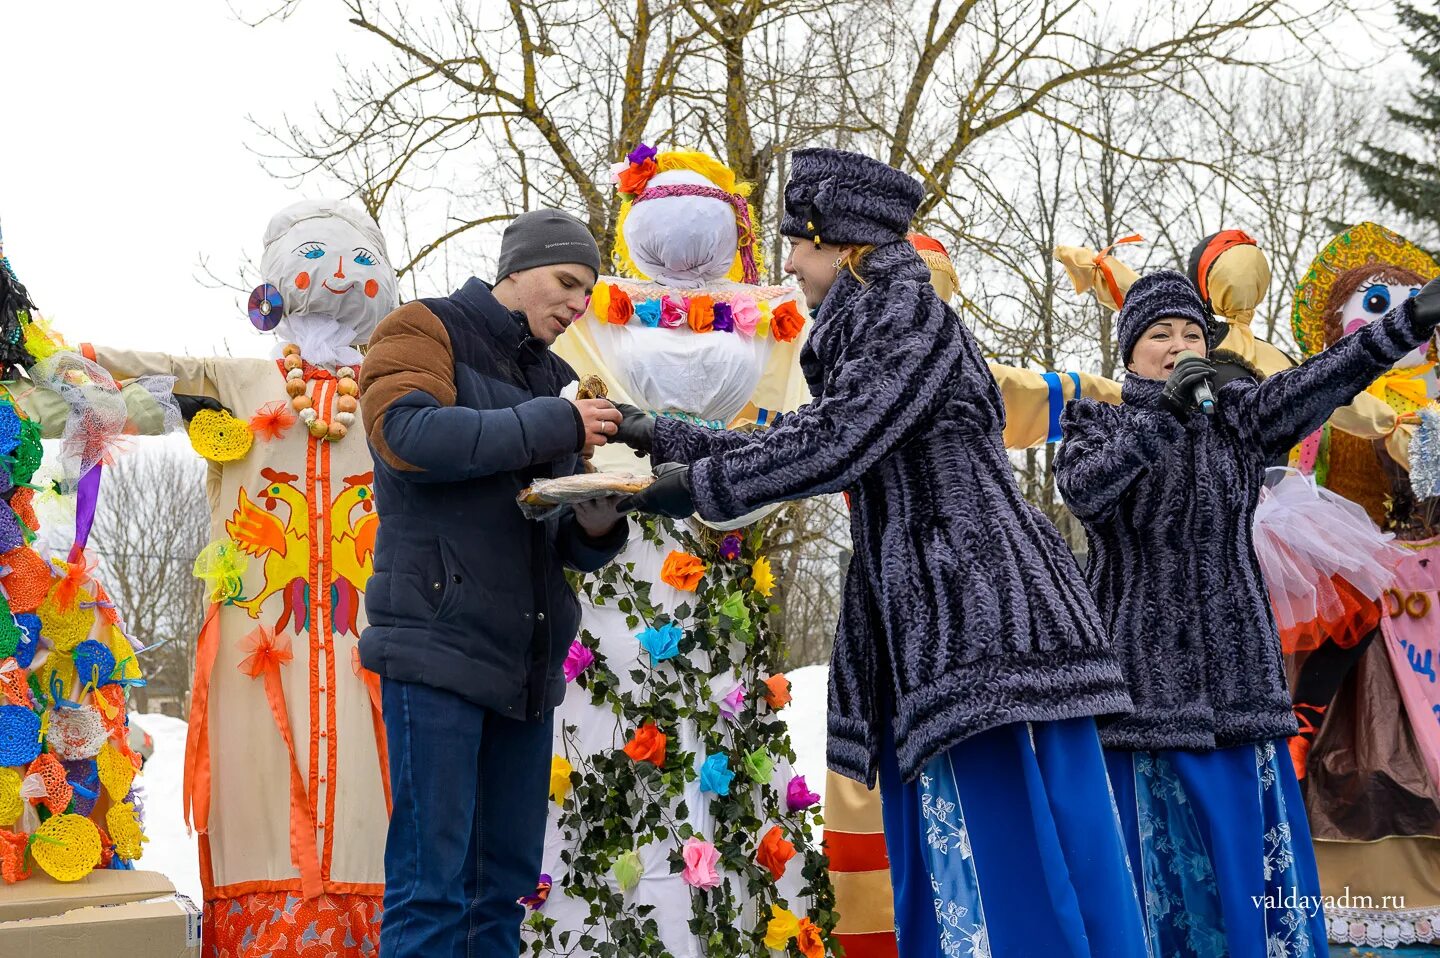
(11, 635)
(28, 581)
(117, 773)
(67, 847)
(9, 427)
(12, 856)
(23, 504)
(127, 664)
(57, 670)
(125, 831)
(66, 628)
(58, 792)
(84, 777)
(11, 535)
(19, 735)
(28, 453)
(94, 663)
(219, 436)
(11, 805)
(76, 733)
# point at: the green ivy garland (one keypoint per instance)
(617, 805)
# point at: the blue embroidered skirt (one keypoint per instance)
(1008, 845)
(1221, 851)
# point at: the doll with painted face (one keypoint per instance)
(285, 771)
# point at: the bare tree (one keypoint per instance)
(153, 520)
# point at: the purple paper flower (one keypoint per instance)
(641, 153)
(730, 547)
(724, 318)
(798, 795)
(536, 901)
(577, 660)
(731, 704)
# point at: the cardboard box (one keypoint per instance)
(41, 896)
(101, 917)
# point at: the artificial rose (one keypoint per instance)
(702, 313)
(798, 795)
(700, 858)
(577, 660)
(647, 745)
(634, 178)
(779, 694)
(673, 312)
(786, 322)
(682, 571)
(782, 927)
(774, 852)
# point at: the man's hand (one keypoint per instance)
(669, 495)
(602, 420)
(598, 516)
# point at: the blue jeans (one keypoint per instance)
(468, 829)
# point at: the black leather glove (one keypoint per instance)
(190, 405)
(1189, 373)
(669, 495)
(1427, 304)
(637, 429)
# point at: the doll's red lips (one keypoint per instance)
(337, 292)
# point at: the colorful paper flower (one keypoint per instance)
(782, 927)
(786, 322)
(577, 660)
(715, 774)
(600, 300)
(620, 308)
(267, 649)
(702, 313)
(682, 571)
(730, 547)
(560, 770)
(763, 327)
(764, 578)
(674, 313)
(735, 609)
(648, 312)
(759, 765)
(809, 940)
(540, 896)
(662, 643)
(700, 858)
(779, 691)
(724, 318)
(635, 177)
(774, 852)
(798, 795)
(733, 702)
(12, 856)
(627, 871)
(641, 153)
(647, 745)
(746, 316)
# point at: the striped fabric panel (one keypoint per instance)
(859, 869)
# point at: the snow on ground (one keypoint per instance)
(170, 851)
(806, 719)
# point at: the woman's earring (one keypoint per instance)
(839, 263)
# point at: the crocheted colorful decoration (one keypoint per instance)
(117, 773)
(127, 666)
(94, 663)
(84, 777)
(22, 502)
(67, 847)
(29, 624)
(11, 635)
(12, 536)
(12, 856)
(28, 581)
(66, 628)
(124, 830)
(19, 735)
(58, 791)
(28, 453)
(11, 804)
(1357, 246)
(76, 733)
(219, 436)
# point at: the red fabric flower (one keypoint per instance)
(621, 309)
(12, 856)
(779, 694)
(808, 940)
(272, 420)
(267, 648)
(647, 745)
(682, 571)
(702, 313)
(775, 851)
(786, 322)
(636, 177)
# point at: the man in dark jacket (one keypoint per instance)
(470, 613)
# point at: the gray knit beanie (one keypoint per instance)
(545, 238)
(848, 198)
(1158, 296)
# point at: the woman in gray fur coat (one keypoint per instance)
(1167, 490)
(970, 661)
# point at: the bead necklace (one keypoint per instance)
(346, 403)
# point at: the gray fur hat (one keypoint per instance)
(1161, 295)
(848, 198)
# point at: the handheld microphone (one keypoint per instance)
(1203, 396)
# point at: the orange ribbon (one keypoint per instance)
(1104, 267)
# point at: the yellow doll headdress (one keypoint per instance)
(1362, 245)
(644, 163)
(1107, 276)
